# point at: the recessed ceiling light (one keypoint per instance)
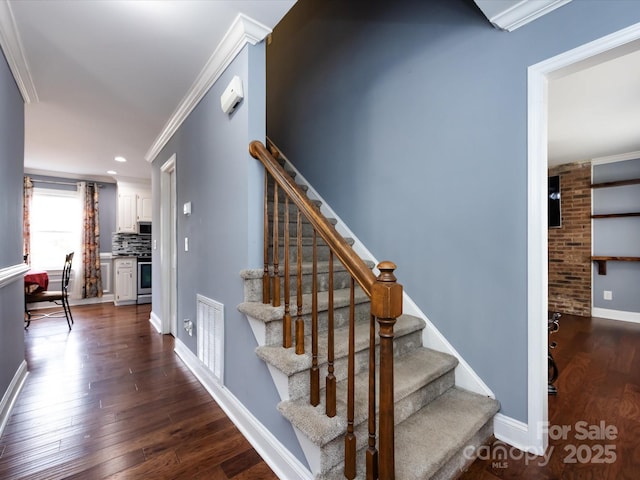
(112, 172)
(120, 159)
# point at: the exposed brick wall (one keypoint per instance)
(570, 245)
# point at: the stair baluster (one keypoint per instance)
(266, 289)
(314, 373)
(372, 452)
(350, 438)
(286, 319)
(331, 379)
(299, 321)
(275, 301)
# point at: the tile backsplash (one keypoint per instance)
(130, 244)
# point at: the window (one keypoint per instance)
(56, 218)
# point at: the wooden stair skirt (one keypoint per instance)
(363, 394)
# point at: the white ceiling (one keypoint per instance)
(108, 75)
(595, 112)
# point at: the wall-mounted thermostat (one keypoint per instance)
(232, 95)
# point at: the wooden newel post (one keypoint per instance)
(386, 306)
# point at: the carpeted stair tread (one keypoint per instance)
(412, 372)
(268, 313)
(286, 360)
(438, 431)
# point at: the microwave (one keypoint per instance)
(144, 228)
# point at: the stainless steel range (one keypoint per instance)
(144, 279)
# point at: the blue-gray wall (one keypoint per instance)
(410, 119)
(223, 183)
(11, 161)
(618, 237)
(107, 207)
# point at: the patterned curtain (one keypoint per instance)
(27, 195)
(92, 286)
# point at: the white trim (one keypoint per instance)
(243, 30)
(14, 53)
(276, 455)
(466, 377)
(90, 301)
(11, 395)
(156, 322)
(515, 433)
(622, 157)
(522, 13)
(537, 258)
(632, 317)
(167, 246)
(537, 218)
(12, 273)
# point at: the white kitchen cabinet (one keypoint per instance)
(125, 292)
(134, 205)
(144, 203)
(127, 212)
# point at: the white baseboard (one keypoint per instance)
(517, 434)
(11, 395)
(633, 317)
(281, 461)
(156, 322)
(108, 298)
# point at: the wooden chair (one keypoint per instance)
(61, 296)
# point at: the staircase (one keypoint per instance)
(438, 426)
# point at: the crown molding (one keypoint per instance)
(518, 14)
(243, 30)
(622, 157)
(72, 176)
(14, 53)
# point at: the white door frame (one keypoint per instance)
(168, 252)
(535, 439)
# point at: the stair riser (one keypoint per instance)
(273, 330)
(299, 382)
(340, 280)
(293, 209)
(403, 409)
(253, 286)
(458, 462)
(322, 254)
(307, 229)
(281, 194)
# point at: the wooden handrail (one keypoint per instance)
(341, 249)
(385, 296)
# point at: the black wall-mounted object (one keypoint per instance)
(554, 213)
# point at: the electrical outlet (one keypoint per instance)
(188, 326)
(608, 295)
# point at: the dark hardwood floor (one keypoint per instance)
(111, 400)
(598, 398)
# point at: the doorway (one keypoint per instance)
(538, 75)
(168, 251)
